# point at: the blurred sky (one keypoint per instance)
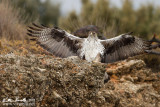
(69, 5)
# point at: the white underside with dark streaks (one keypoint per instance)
(91, 47)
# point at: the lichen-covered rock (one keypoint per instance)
(50, 81)
(73, 82)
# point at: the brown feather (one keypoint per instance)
(55, 40)
(122, 47)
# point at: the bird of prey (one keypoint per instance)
(63, 44)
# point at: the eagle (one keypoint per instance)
(63, 44)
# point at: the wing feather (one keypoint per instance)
(55, 40)
(123, 46)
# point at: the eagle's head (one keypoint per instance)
(93, 35)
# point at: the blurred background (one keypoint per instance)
(114, 17)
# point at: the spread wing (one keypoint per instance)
(122, 47)
(55, 40)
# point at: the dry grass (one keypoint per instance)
(11, 24)
(20, 47)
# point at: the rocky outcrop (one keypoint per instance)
(37, 80)
(134, 85)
